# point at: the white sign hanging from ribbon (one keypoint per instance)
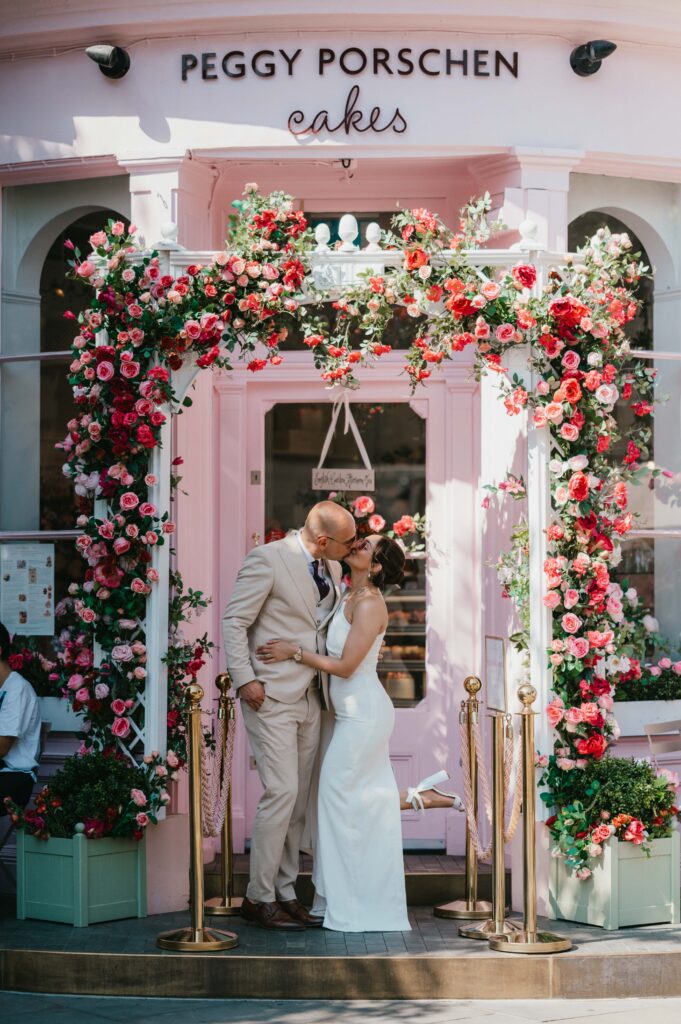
(352, 478)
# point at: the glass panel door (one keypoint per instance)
(395, 439)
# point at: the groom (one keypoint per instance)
(286, 589)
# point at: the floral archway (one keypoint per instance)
(243, 305)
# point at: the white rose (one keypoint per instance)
(557, 467)
(578, 462)
(651, 624)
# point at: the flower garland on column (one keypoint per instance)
(245, 304)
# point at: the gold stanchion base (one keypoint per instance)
(202, 940)
(217, 907)
(530, 942)
(488, 929)
(474, 910)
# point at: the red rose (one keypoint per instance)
(16, 662)
(415, 258)
(578, 487)
(524, 275)
(145, 436)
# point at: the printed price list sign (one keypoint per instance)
(27, 588)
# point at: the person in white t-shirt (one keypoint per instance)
(19, 731)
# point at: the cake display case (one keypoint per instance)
(402, 669)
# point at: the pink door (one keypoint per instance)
(281, 424)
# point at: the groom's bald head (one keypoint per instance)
(331, 529)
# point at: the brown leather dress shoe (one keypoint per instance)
(298, 912)
(268, 915)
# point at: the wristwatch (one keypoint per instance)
(298, 656)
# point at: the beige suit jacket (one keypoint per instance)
(275, 597)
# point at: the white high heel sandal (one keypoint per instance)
(431, 782)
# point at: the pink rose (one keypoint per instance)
(138, 797)
(101, 691)
(578, 646)
(172, 759)
(105, 370)
(121, 652)
(569, 432)
(138, 586)
(121, 545)
(571, 598)
(168, 527)
(152, 575)
(505, 333)
(120, 728)
(676, 668)
(142, 819)
(571, 622)
(83, 694)
(376, 523)
(491, 290)
(130, 369)
(118, 228)
(570, 360)
(85, 269)
(147, 509)
(139, 672)
(363, 506)
(555, 712)
(118, 706)
(552, 599)
(665, 662)
(193, 329)
(128, 501)
(573, 718)
(87, 614)
(75, 682)
(635, 833)
(583, 873)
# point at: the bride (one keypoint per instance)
(359, 870)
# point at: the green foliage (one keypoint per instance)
(95, 791)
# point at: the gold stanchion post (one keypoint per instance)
(226, 904)
(470, 908)
(196, 937)
(497, 924)
(529, 940)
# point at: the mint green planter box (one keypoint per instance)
(80, 881)
(626, 887)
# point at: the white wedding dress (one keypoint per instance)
(358, 869)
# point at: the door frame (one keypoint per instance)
(450, 405)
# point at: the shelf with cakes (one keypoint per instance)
(402, 669)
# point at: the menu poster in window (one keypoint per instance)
(27, 588)
(495, 673)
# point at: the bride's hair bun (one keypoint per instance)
(391, 558)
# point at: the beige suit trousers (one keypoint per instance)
(285, 740)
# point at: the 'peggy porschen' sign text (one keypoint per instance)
(353, 62)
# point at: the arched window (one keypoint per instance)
(38, 506)
(58, 294)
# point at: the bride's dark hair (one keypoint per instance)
(391, 558)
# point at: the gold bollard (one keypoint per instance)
(470, 908)
(529, 940)
(226, 904)
(497, 924)
(196, 937)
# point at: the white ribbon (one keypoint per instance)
(341, 400)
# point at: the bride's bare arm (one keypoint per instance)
(367, 622)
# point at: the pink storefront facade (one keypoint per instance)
(358, 108)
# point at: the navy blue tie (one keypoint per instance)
(322, 585)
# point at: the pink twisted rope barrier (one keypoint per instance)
(511, 757)
(216, 777)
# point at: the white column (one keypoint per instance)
(171, 189)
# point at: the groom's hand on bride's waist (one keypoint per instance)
(253, 693)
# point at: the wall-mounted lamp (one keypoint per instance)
(586, 59)
(112, 61)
